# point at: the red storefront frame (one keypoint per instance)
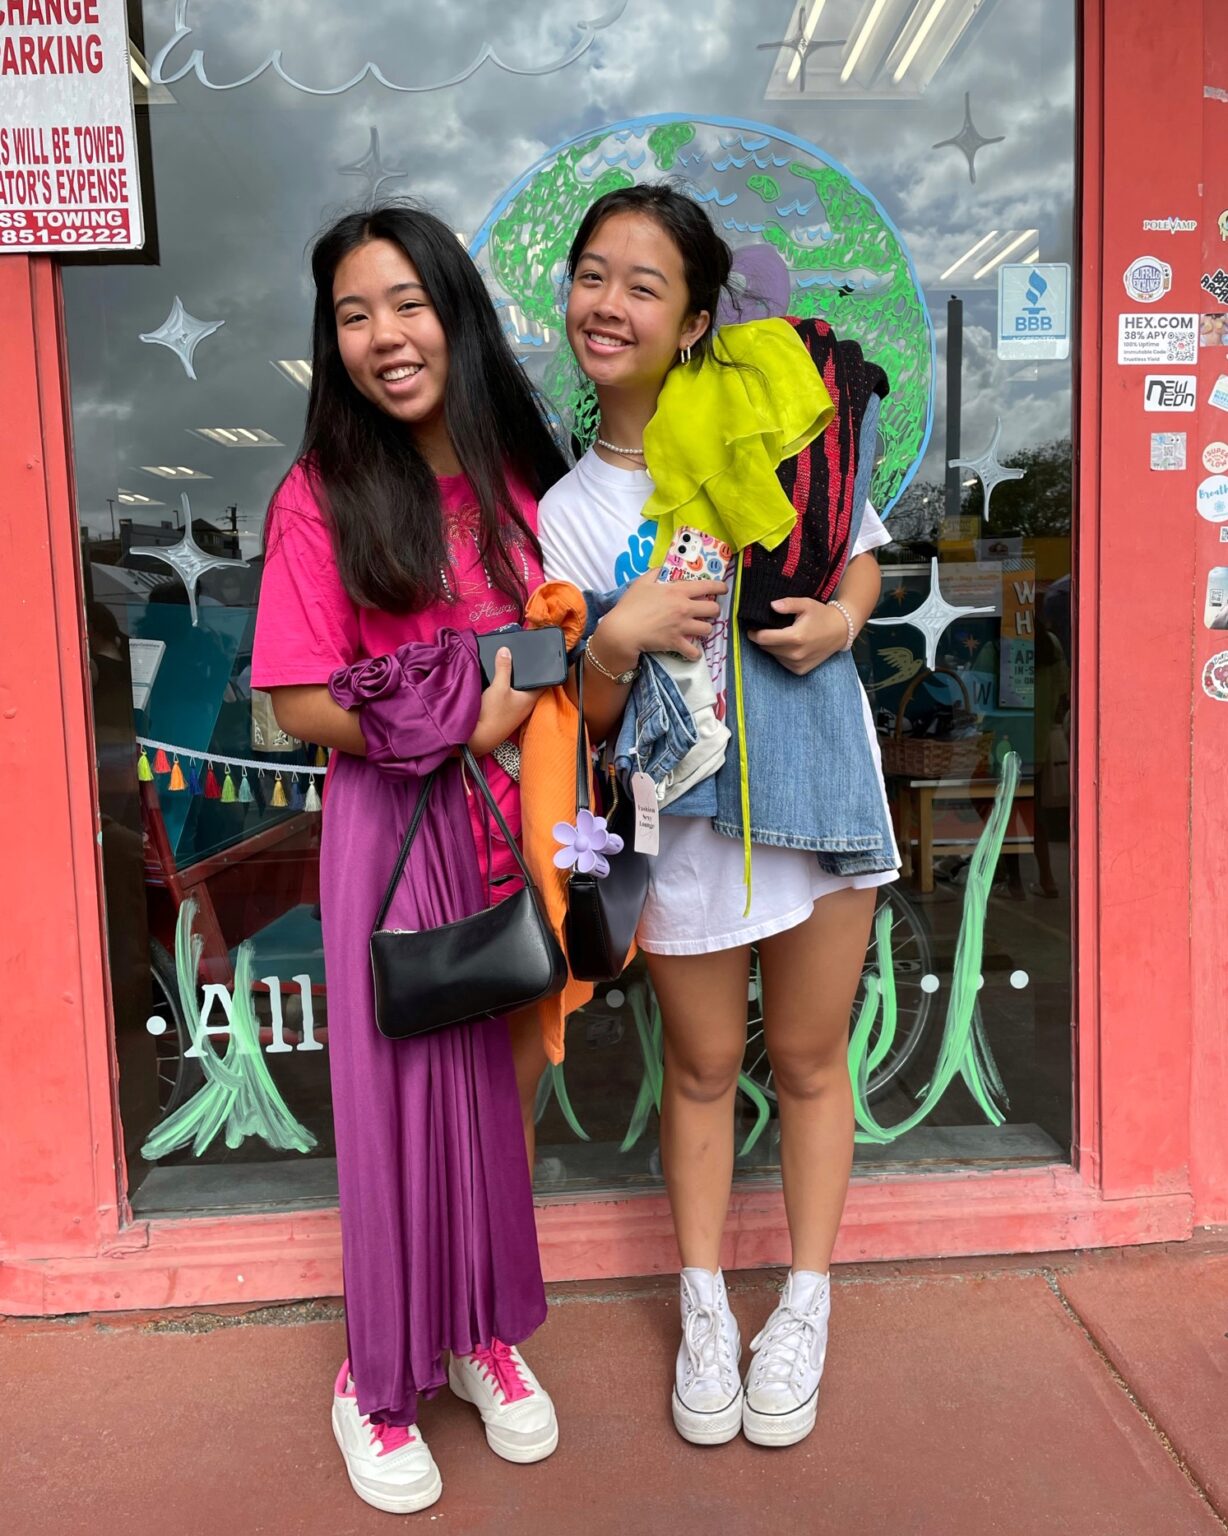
(1151, 833)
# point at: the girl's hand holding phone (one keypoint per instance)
(817, 632)
(504, 708)
(656, 615)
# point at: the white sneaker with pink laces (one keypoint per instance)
(390, 1468)
(516, 1409)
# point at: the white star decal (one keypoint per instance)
(187, 559)
(182, 333)
(934, 617)
(372, 168)
(987, 469)
(969, 138)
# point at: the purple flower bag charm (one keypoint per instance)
(585, 846)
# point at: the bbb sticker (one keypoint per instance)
(1148, 279)
(1213, 499)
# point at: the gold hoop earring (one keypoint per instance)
(686, 355)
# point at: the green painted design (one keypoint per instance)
(885, 312)
(238, 1093)
(767, 187)
(762, 1111)
(667, 140)
(650, 1031)
(558, 1083)
(964, 1051)
(845, 259)
(651, 1034)
(529, 244)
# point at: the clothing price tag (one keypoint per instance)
(647, 816)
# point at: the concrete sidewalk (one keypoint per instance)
(1079, 1394)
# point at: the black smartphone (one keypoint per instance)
(539, 656)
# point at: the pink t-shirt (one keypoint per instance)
(308, 625)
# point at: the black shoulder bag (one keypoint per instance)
(478, 967)
(604, 912)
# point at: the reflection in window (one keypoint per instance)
(905, 170)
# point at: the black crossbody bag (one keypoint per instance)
(477, 967)
(603, 913)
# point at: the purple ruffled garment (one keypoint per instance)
(439, 1245)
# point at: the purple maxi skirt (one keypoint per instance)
(439, 1246)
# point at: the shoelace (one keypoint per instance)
(784, 1343)
(389, 1437)
(502, 1367)
(707, 1347)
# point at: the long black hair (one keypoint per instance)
(706, 259)
(382, 500)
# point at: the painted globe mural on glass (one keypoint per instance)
(808, 239)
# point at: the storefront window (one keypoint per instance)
(903, 168)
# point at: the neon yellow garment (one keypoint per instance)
(719, 432)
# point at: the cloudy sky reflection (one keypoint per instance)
(244, 177)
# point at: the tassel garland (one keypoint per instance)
(228, 780)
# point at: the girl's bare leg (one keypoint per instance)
(703, 1006)
(810, 978)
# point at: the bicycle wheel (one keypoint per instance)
(179, 1075)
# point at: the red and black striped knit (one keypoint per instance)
(819, 482)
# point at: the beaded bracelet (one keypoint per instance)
(621, 678)
(848, 619)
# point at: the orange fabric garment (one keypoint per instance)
(548, 794)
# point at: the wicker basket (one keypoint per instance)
(932, 757)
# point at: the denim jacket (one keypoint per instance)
(657, 731)
(813, 780)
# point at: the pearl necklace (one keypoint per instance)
(631, 453)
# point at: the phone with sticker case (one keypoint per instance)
(696, 556)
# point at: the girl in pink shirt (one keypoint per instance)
(408, 523)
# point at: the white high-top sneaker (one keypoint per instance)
(515, 1407)
(707, 1398)
(390, 1468)
(782, 1385)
